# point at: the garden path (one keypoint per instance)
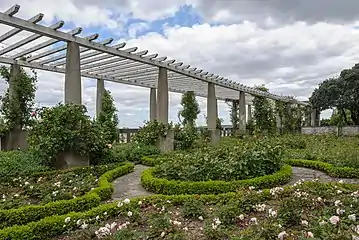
(310, 174)
(129, 186)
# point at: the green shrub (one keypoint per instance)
(192, 208)
(233, 161)
(169, 187)
(19, 163)
(92, 199)
(132, 152)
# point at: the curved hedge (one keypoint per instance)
(169, 187)
(91, 199)
(330, 169)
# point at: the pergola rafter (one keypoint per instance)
(100, 60)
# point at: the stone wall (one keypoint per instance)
(341, 131)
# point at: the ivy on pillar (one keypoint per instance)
(165, 143)
(242, 112)
(249, 113)
(73, 92)
(212, 114)
(153, 104)
(99, 95)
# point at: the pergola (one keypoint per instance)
(76, 56)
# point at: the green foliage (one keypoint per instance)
(132, 152)
(190, 109)
(66, 128)
(19, 163)
(92, 199)
(192, 208)
(149, 133)
(19, 99)
(232, 160)
(185, 137)
(263, 116)
(164, 186)
(340, 93)
(107, 120)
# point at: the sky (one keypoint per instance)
(290, 46)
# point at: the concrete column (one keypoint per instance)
(279, 124)
(242, 112)
(73, 75)
(249, 113)
(162, 96)
(313, 118)
(211, 107)
(212, 114)
(14, 73)
(153, 104)
(234, 115)
(99, 95)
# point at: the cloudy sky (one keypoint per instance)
(290, 46)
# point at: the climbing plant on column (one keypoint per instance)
(264, 118)
(18, 101)
(108, 119)
(234, 113)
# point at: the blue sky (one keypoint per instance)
(284, 46)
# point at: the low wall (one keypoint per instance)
(16, 139)
(341, 131)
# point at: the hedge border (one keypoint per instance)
(330, 169)
(173, 187)
(23, 215)
(54, 225)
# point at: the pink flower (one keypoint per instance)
(334, 220)
(33, 114)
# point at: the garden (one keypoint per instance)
(241, 189)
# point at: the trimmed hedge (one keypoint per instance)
(330, 169)
(169, 187)
(54, 225)
(91, 199)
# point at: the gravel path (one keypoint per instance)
(129, 186)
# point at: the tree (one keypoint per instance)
(18, 101)
(107, 119)
(341, 93)
(264, 119)
(190, 109)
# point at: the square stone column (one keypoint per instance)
(73, 91)
(153, 104)
(249, 113)
(242, 112)
(212, 115)
(99, 95)
(314, 122)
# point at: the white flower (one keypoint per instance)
(102, 232)
(339, 191)
(3, 196)
(74, 189)
(260, 207)
(16, 195)
(31, 187)
(252, 188)
(78, 222)
(177, 223)
(337, 203)
(84, 226)
(334, 220)
(217, 221)
(105, 213)
(67, 220)
(352, 217)
(254, 221)
(163, 234)
(27, 183)
(119, 204)
(272, 213)
(129, 214)
(319, 199)
(139, 202)
(112, 226)
(310, 235)
(321, 223)
(200, 218)
(241, 217)
(340, 211)
(126, 201)
(185, 228)
(304, 223)
(281, 235)
(97, 218)
(341, 181)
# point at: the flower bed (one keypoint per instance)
(169, 187)
(91, 199)
(308, 210)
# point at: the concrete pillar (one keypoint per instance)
(242, 112)
(313, 118)
(249, 113)
(73, 75)
(279, 123)
(212, 115)
(234, 115)
(162, 96)
(153, 104)
(99, 95)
